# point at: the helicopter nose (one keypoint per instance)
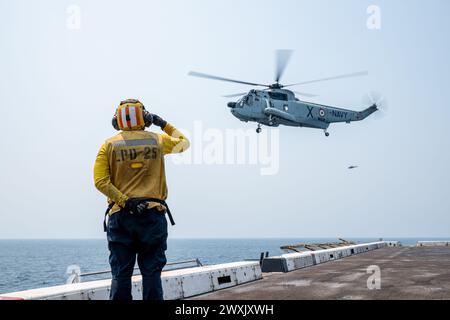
(231, 105)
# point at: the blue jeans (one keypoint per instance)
(144, 236)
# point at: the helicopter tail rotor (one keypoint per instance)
(378, 100)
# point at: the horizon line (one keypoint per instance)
(249, 238)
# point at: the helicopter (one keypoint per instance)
(275, 105)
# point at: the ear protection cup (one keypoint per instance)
(148, 118)
(114, 123)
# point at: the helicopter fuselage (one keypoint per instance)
(280, 107)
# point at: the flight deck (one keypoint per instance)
(421, 272)
(343, 271)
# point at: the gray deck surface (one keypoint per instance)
(406, 273)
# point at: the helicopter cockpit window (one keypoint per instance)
(250, 99)
(240, 102)
(278, 96)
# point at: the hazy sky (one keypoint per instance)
(59, 87)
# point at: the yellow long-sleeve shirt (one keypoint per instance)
(131, 164)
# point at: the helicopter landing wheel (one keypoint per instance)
(327, 134)
(258, 130)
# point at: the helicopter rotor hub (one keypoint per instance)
(276, 85)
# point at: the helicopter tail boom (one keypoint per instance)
(365, 113)
(334, 115)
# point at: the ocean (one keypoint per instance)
(29, 264)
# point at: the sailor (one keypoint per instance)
(129, 170)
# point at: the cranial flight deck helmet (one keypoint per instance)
(131, 115)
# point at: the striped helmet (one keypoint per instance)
(130, 115)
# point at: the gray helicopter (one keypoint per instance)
(276, 106)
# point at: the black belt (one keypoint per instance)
(162, 202)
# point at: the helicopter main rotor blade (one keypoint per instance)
(235, 95)
(305, 94)
(282, 59)
(208, 76)
(349, 75)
